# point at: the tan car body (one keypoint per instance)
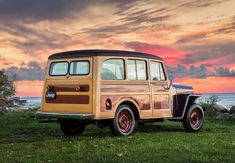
(150, 98)
(88, 97)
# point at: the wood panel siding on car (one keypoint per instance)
(143, 101)
(70, 99)
(125, 88)
(161, 102)
(70, 88)
(135, 91)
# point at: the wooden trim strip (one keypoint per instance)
(70, 88)
(70, 99)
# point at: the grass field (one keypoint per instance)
(22, 139)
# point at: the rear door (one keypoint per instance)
(160, 93)
(68, 86)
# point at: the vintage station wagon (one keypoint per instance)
(114, 88)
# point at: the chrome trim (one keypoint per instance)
(42, 115)
(185, 106)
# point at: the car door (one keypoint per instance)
(161, 107)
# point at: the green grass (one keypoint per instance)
(22, 139)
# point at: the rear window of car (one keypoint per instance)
(79, 68)
(59, 68)
(72, 68)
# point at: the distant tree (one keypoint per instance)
(7, 90)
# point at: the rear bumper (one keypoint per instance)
(47, 116)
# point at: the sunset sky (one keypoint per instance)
(195, 38)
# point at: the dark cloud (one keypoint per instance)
(141, 45)
(146, 15)
(130, 24)
(192, 37)
(180, 71)
(206, 52)
(33, 71)
(133, 20)
(228, 28)
(30, 40)
(201, 3)
(16, 14)
(221, 71)
(37, 10)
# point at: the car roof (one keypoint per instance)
(94, 52)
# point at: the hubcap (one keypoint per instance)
(124, 121)
(195, 119)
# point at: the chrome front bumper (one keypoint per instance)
(40, 116)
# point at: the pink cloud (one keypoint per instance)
(170, 55)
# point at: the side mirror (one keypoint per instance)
(170, 84)
(170, 77)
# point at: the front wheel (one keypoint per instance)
(194, 118)
(72, 129)
(124, 122)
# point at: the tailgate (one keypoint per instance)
(68, 93)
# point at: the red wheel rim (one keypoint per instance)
(124, 121)
(195, 118)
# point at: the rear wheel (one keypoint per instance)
(124, 122)
(72, 129)
(194, 118)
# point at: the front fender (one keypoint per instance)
(181, 103)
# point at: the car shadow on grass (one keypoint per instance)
(151, 128)
(92, 131)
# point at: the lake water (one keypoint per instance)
(225, 100)
(32, 101)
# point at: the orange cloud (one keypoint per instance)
(29, 88)
(210, 84)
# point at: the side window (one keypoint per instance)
(141, 70)
(136, 70)
(131, 75)
(58, 68)
(157, 72)
(79, 68)
(112, 69)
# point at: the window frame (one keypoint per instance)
(124, 72)
(59, 62)
(79, 74)
(136, 73)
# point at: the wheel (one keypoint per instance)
(194, 118)
(124, 122)
(72, 129)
